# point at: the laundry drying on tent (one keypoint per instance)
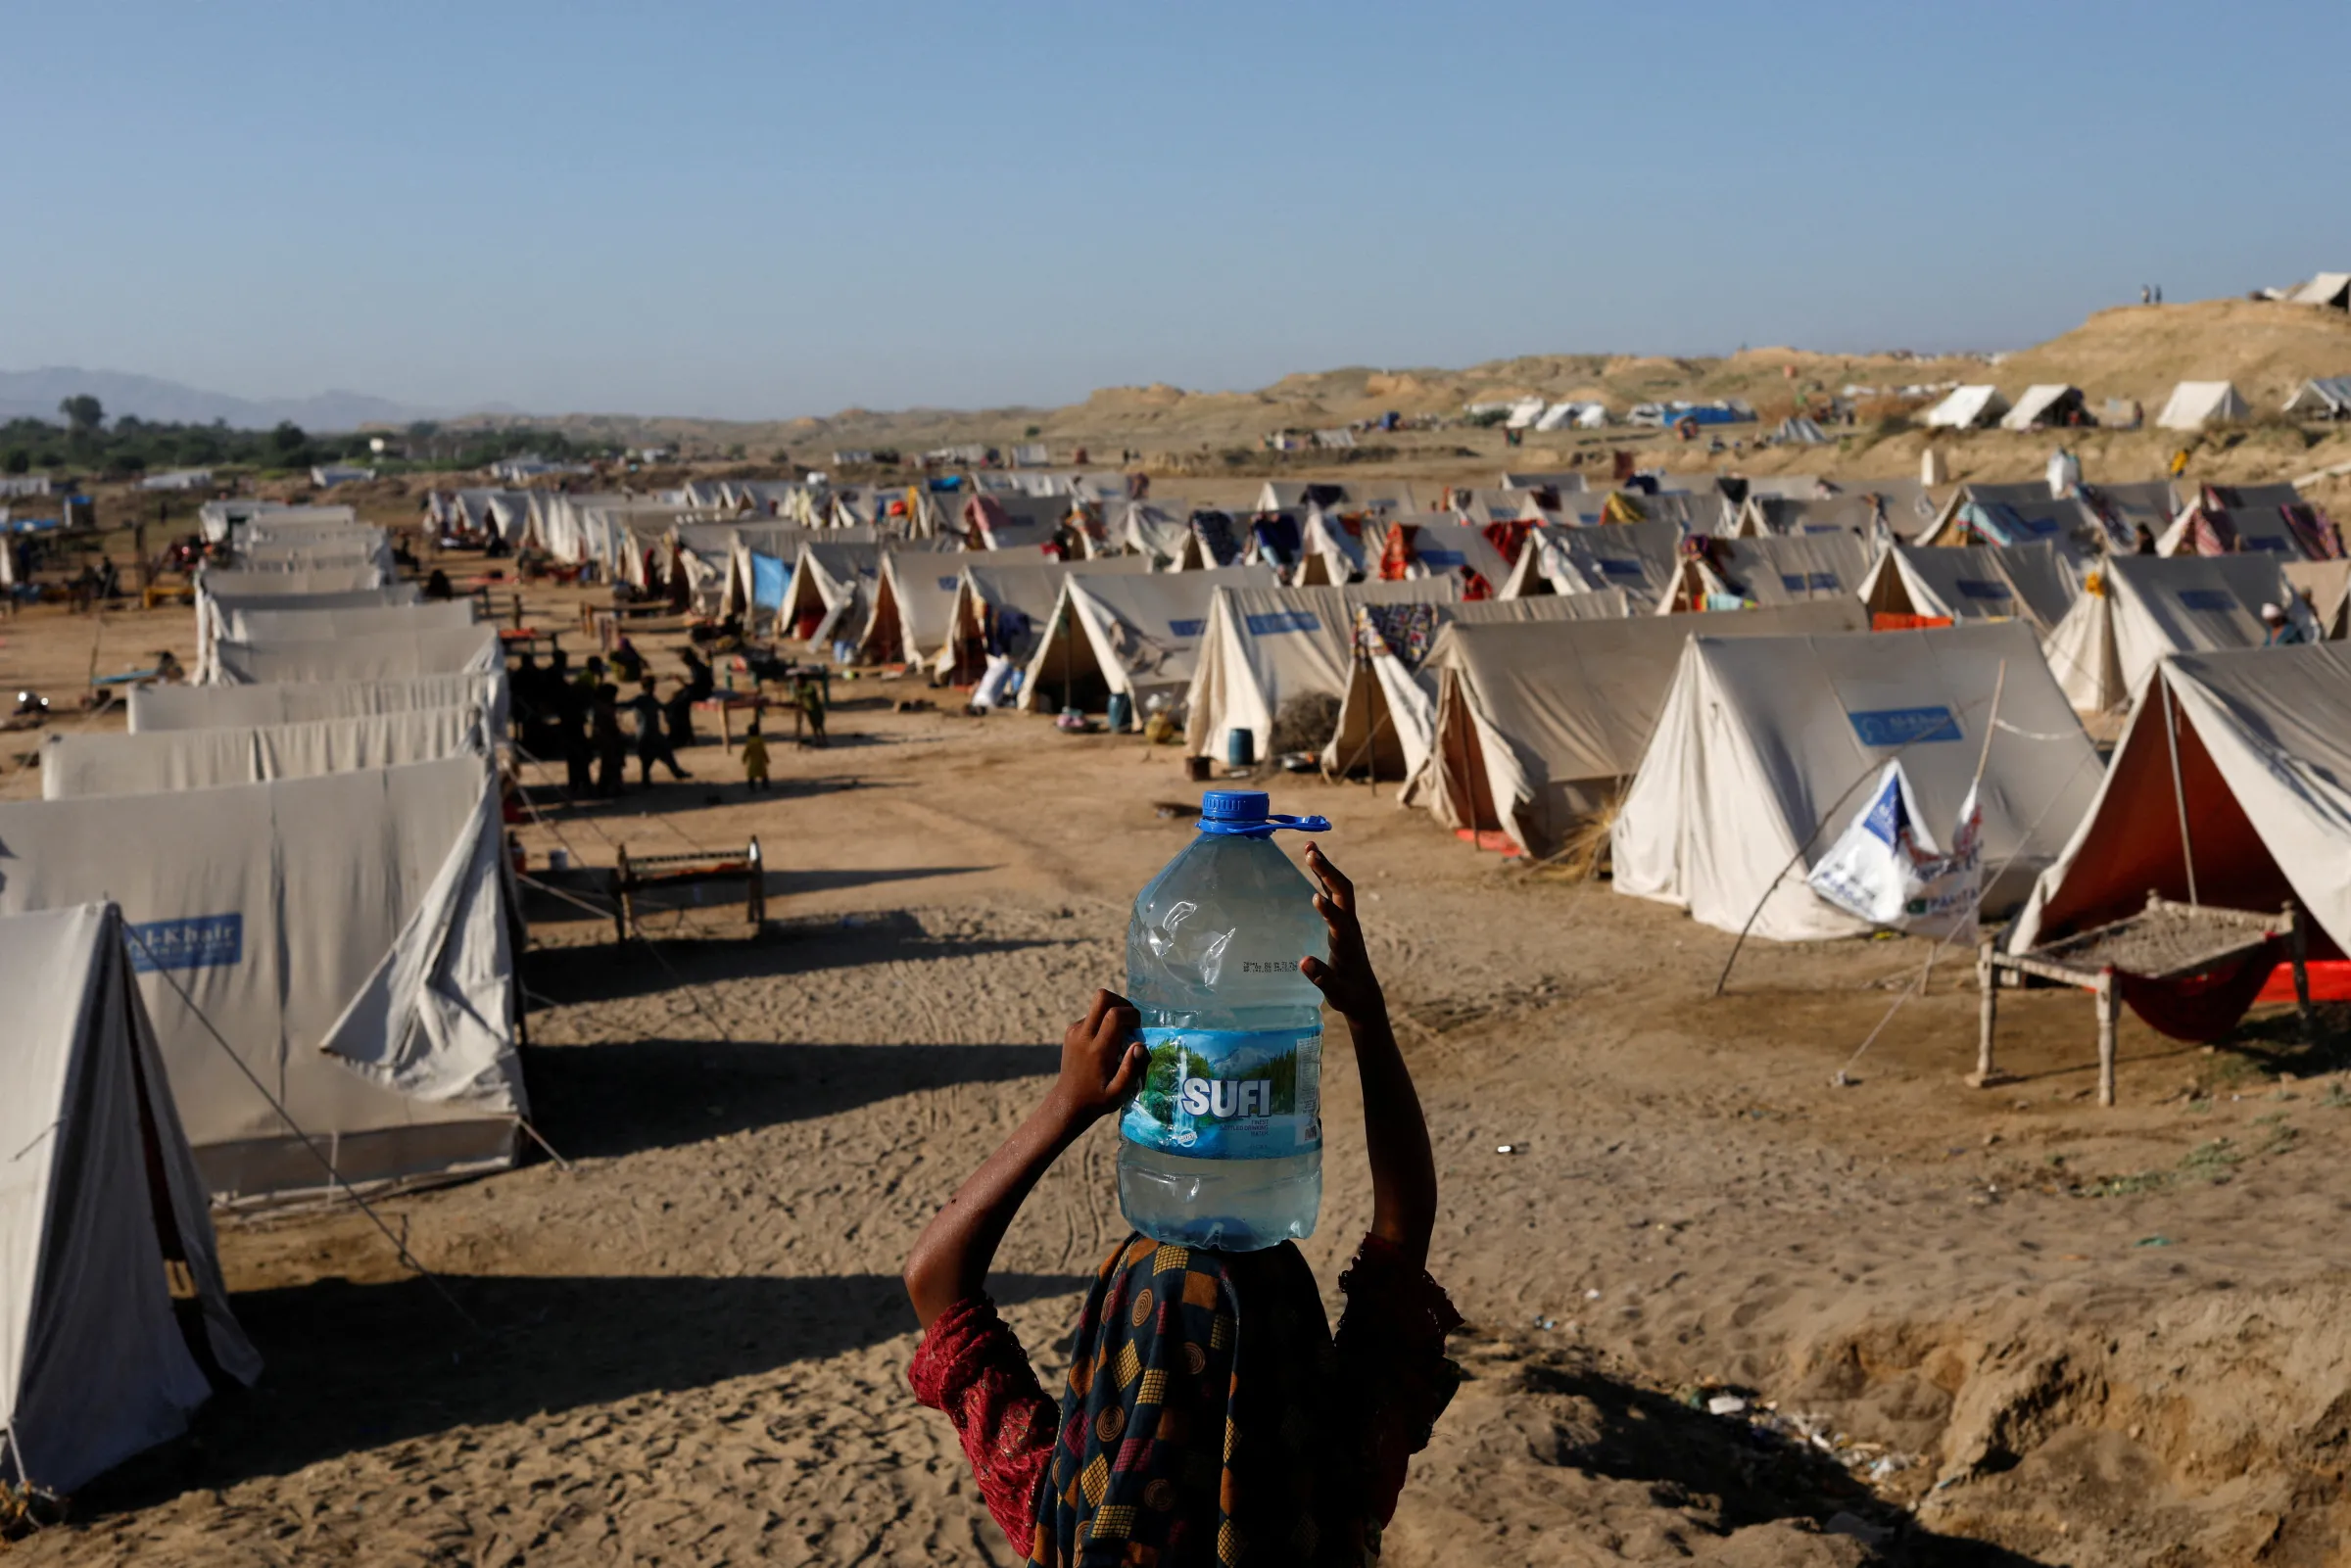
(1437, 544)
(1535, 726)
(2134, 609)
(101, 1196)
(1765, 747)
(2252, 519)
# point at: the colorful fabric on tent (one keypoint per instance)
(1214, 531)
(1404, 632)
(771, 581)
(2200, 1007)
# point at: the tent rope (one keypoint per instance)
(335, 1175)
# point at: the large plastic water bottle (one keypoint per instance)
(1221, 1147)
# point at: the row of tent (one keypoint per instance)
(261, 946)
(2052, 406)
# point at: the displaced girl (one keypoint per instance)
(1210, 1415)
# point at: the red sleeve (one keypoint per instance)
(1397, 1378)
(969, 1365)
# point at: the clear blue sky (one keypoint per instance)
(765, 209)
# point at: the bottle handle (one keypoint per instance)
(1301, 824)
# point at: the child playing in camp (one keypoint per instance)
(754, 758)
(809, 692)
(1211, 1416)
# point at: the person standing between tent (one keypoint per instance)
(809, 693)
(2143, 539)
(653, 738)
(754, 758)
(611, 747)
(2282, 633)
(699, 687)
(2146, 294)
(628, 665)
(1210, 1415)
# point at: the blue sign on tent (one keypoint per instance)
(1442, 557)
(1187, 628)
(1282, 621)
(2208, 598)
(1902, 727)
(1980, 587)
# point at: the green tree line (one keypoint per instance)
(88, 443)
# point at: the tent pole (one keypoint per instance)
(2170, 736)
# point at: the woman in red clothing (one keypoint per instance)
(1211, 1416)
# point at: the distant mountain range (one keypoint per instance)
(36, 394)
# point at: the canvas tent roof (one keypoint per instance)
(1966, 409)
(373, 656)
(1264, 647)
(2031, 583)
(2326, 587)
(198, 707)
(1386, 717)
(346, 936)
(217, 611)
(1765, 743)
(2264, 741)
(230, 583)
(154, 761)
(2138, 608)
(2043, 404)
(2193, 404)
(95, 1363)
(2252, 519)
(1438, 545)
(1536, 724)
(913, 607)
(1004, 607)
(300, 620)
(1131, 632)
(1641, 558)
(1332, 547)
(2328, 397)
(1764, 572)
(828, 590)
(2327, 288)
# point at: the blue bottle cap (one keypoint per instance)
(1243, 813)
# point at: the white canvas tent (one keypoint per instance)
(373, 656)
(98, 1193)
(2193, 404)
(154, 761)
(2134, 609)
(1439, 545)
(1535, 724)
(1264, 647)
(1136, 633)
(2263, 785)
(1765, 745)
(229, 582)
(1003, 607)
(348, 936)
(1332, 548)
(2327, 289)
(1966, 409)
(1758, 573)
(2322, 397)
(298, 620)
(217, 611)
(2044, 404)
(199, 707)
(1640, 559)
(1391, 700)
(913, 609)
(2324, 588)
(2031, 583)
(829, 591)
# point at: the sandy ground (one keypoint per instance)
(2005, 1326)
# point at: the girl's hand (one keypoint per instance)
(1102, 1062)
(1346, 980)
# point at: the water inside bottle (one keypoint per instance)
(1221, 1147)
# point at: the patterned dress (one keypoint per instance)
(1211, 1416)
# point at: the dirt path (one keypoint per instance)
(690, 1347)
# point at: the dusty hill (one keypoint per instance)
(2266, 346)
(2132, 352)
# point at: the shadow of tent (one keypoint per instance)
(350, 1368)
(603, 971)
(596, 1101)
(1749, 1476)
(551, 897)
